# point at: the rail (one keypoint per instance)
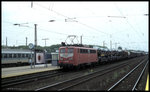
(117, 83)
(63, 85)
(28, 78)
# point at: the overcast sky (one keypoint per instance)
(124, 23)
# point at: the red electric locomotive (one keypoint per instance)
(72, 56)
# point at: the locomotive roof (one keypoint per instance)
(76, 47)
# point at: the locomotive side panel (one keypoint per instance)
(76, 56)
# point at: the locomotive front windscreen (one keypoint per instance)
(62, 50)
(70, 50)
(66, 52)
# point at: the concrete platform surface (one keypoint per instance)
(16, 71)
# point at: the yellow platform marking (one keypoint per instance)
(147, 84)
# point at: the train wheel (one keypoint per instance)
(77, 67)
(93, 64)
(83, 66)
(65, 68)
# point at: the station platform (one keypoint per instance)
(22, 70)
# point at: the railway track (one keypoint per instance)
(7, 82)
(125, 82)
(69, 84)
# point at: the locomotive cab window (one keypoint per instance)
(62, 50)
(70, 50)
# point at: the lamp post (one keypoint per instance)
(45, 40)
(35, 35)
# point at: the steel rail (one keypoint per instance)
(125, 76)
(139, 76)
(66, 81)
(86, 80)
(28, 79)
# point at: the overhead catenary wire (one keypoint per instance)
(129, 23)
(127, 20)
(83, 23)
(40, 29)
(97, 30)
(31, 27)
(76, 21)
(108, 17)
(51, 10)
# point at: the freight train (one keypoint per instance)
(80, 56)
(69, 56)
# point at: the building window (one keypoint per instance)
(9, 55)
(15, 56)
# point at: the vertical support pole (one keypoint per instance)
(31, 4)
(35, 44)
(31, 60)
(116, 46)
(45, 42)
(6, 41)
(45, 57)
(103, 43)
(110, 45)
(81, 39)
(35, 34)
(26, 41)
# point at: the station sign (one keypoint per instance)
(31, 46)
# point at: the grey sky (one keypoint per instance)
(120, 22)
